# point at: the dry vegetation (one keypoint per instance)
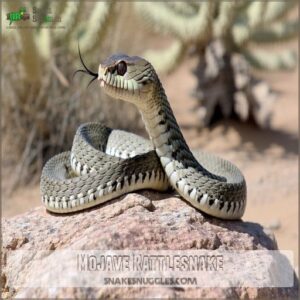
(40, 120)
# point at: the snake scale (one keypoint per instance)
(105, 163)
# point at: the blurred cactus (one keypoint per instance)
(70, 12)
(188, 23)
(166, 60)
(41, 107)
(30, 57)
(237, 25)
(171, 20)
(93, 33)
(37, 45)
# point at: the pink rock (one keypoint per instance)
(134, 222)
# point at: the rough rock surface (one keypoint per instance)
(134, 222)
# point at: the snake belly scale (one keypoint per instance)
(105, 163)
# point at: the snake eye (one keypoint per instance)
(121, 68)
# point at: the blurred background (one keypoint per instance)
(230, 70)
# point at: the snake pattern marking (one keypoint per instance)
(105, 163)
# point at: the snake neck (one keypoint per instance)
(166, 136)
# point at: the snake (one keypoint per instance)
(106, 163)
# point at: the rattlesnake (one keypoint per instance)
(106, 163)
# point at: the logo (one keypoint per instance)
(39, 17)
(18, 15)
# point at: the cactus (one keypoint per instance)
(278, 10)
(166, 60)
(170, 21)
(4, 30)
(186, 8)
(91, 36)
(277, 32)
(30, 56)
(225, 19)
(37, 105)
(71, 12)
(285, 60)
(237, 25)
(37, 44)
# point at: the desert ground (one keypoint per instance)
(268, 158)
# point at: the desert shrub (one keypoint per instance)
(42, 104)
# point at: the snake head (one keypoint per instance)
(129, 78)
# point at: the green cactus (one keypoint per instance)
(267, 60)
(37, 44)
(94, 32)
(277, 32)
(165, 61)
(278, 10)
(186, 8)
(185, 28)
(30, 56)
(223, 22)
(238, 25)
(263, 25)
(4, 30)
(254, 14)
(70, 12)
(257, 22)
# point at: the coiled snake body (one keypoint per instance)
(106, 163)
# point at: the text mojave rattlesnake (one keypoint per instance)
(104, 163)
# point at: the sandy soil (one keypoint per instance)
(268, 158)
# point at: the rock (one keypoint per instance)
(132, 222)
